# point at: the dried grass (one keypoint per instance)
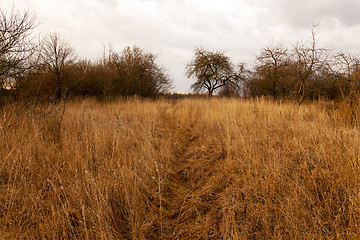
(187, 169)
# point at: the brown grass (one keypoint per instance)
(188, 169)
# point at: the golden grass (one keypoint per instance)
(187, 169)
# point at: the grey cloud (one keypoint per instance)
(173, 28)
(303, 13)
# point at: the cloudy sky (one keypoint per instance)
(172, 29)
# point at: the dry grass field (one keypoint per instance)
(178, 169)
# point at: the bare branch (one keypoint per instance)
(16, 43)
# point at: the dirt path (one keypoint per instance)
(189, 203)
(178, 187)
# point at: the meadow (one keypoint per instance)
(212, 168)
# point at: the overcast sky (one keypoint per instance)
(173, 28)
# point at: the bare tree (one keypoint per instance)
(57, 57)
(346, 70)
(270, 65)
(235, 87)
(212, 70)
(16, 43)
(308, 59)
(107, 72)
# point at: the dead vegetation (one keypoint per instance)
(187, 169)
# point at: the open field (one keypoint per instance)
(186, 169)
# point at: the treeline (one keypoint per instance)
(130, 72)
(50, 68)
(306, 71)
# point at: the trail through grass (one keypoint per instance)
(189, 169)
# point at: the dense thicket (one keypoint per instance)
(129, 72)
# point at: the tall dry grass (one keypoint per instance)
(188, 169)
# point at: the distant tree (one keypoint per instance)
(236, 85)
(57, 58)
(16, 44)
(346, 70)
(83, 77)
(211, 70)
(308, 60)
(139, 74)
(95, 78)
(107, 70)
(271, 67)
